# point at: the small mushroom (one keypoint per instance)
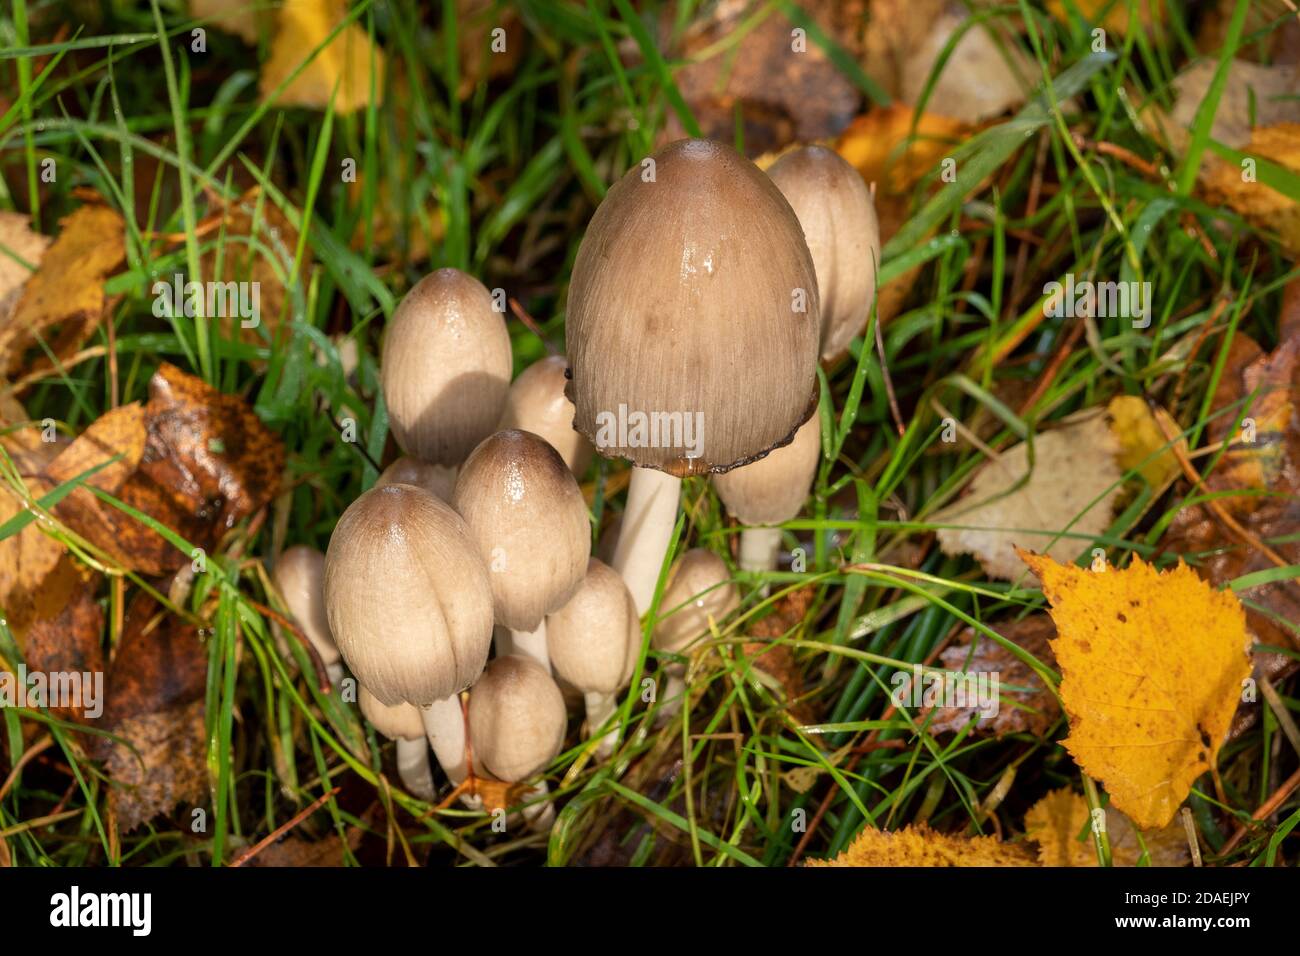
(839, 223)
(402, 723)
(410, 604)
(692, 276)
(536, 403)
(436, 479)
(698, 596)
(528, 518)
(300, 578)
(768, 492)
(445, 367)
(517, 722)
(593, 640)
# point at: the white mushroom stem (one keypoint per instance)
(445, 726)
(674, 692)
(531, 644)
(539, 816)
(413, 767)
(599, 709)
(647, 526)
(335, 672)
(759, 549)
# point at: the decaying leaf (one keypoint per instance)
(921, 846)
(1152, 665)
(155, 690)
(17, 242)
(1142, 443)
(985, 73)
(243, 18)
(1254, 96)
(1060, 823)
(346, 64)
(784, 88)
(1026, 706)
(483, 55)
(1114, 17)
(66, 640)
(1229, 185)
(299, 851)
(64, 300)
(1071, 486)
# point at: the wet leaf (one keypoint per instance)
(920, 846)
(67, 640)
(63, 302)
(17, 242)
(1152, 665)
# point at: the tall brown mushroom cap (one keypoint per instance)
(774, 489)
(686, 295)
(408, 597)
(438, 480)
(398, 722)
(591, 637)
(699, 589)
(839, 223)
(300, 579)
(445, 367)
(516, 718)
(529, 521)
(536, 403)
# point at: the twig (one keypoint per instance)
(1266, 810)
(322, 674)
(45, 743)
(280, 831)
(522, 315)
(889, 383)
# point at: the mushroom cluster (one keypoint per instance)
(703, 296)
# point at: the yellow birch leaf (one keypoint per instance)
(1151, 670)
(1141, 440)
(1060, 823)
(920, 846)
(347, 62)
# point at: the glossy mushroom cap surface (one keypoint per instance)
(300, 578)
(692, 288)
(839, 222)
(445, 367)
(774, 488)
(408, 596)
(699, 589)
(591, 637)
(516, 718)
(438, 480)
(536, 403)
(398, 722)
(528, 519)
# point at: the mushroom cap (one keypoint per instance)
(699, 586)
(536, 403)
(438, 480)
(686, 287)
(407, 595)
(589, 638)
(529, 521)
(398, 722)
(839, 223)
(300, 578)
(516, 718)
(445, 367)
(774, 489)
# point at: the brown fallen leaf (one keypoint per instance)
(298, 851)
(1072, 485)
(67, 640)
(918, 845)
(1271, 33)
(20, 248)
(777, 660)
(1039, 708)
(1228, 184)
(1255, 96)
(1152, 665)
(155, 699)
(64, 300)
(985, 74)
(1114, 16)
(1058, 820)
(244, 18)
(480, 61)
(784, 88)
(347, 64)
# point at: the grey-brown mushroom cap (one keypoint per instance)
(536, 403)
(516, 718)
(439, 480)
(839, 222)
(693, 295)
(445, 367)
(774, 489)
(408, 596)
(699, 589)
(398, 722)
(590, 638)
(300, 578)
(527, 516)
